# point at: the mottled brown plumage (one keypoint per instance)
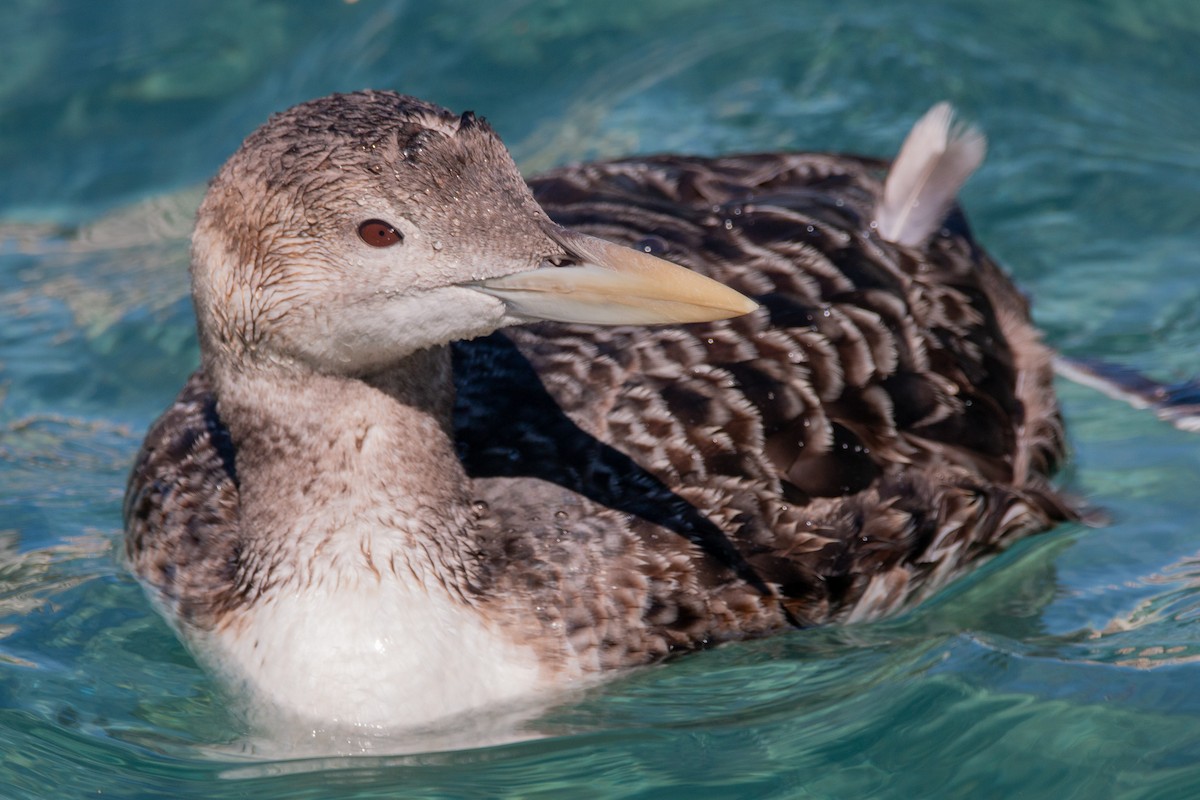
(882, 421)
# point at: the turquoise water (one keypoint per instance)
(1066, 668)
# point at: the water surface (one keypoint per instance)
(1065, 668)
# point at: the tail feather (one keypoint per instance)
(1175, 403)
(934, 162)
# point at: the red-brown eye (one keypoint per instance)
(378, 233)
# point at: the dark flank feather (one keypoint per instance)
(868, 433)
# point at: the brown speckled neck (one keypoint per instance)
(344, 478)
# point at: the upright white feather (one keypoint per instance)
(934, 162)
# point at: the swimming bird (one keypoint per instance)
(457, 439)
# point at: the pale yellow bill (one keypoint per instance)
(615, 285)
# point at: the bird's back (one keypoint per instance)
(884, 419)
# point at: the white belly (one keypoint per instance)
(376, 654)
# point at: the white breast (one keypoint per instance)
(375, 654)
